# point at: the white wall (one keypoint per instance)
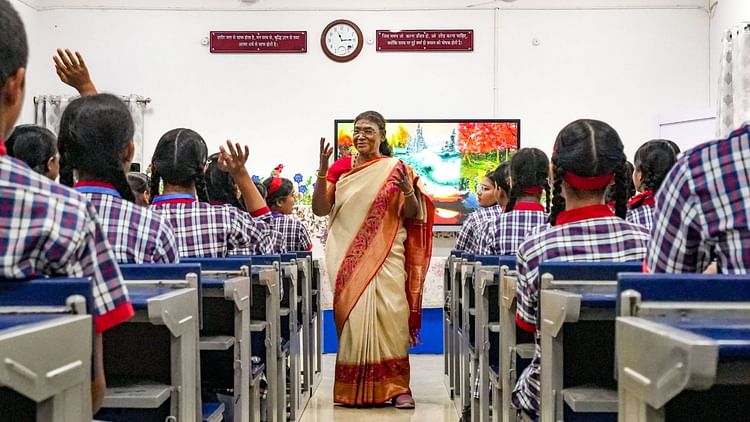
(726, 14)
(622, 66)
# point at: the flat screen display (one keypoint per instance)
(450, 156)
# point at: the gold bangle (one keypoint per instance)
(410, 193)
(321, 177)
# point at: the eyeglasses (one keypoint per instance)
(366, 131)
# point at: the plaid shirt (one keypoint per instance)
(48, 229)
(293, 232)
(137, 234)
(584, 234)
(702, 210)
(204, 230)
(469, 235)
(505, 234)
(642, 216)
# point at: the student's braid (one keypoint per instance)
(546, 197)
(155, 183)
(558, 202)
(515, 192)
(200, 186)
(621, 190)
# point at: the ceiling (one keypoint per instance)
(310, 5)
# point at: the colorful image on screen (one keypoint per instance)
(451, 157)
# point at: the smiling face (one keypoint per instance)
(486, 193)
(367, 138)
(285, 205)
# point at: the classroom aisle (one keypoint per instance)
(433, 402)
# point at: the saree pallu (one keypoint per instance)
(379, 260)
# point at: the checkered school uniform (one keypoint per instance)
(702, 209)
(591, 233)
(641, 210)
(469, 235)
(204, 230)
(49, 229)
(137, 234)
(505, 234)
(295, 235)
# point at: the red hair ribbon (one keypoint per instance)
(533, 190)
(588, 183)
(275, 185)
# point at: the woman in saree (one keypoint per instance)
(378, 250)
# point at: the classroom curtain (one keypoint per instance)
(734, 80)
(48, 110)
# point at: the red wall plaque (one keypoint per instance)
(258, 42)
(426, 40)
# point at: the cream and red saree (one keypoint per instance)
(378, 260)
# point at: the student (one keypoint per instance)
(220, 186)
(96, 143)
(280, 199)
(37, 147)
(205, 230)
(529, 170)
(587, 158)
(488, 210)
(652, 162)
(702, 210)
(49, 229)
(140, 184)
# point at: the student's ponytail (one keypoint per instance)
(621, 190)
(200, 187)
(558, 202)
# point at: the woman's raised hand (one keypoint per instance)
(402, 179)
(325, 154)
(233, 158)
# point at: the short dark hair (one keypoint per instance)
(14, 47)
(139, 182)
(94, 131)
(34, 145)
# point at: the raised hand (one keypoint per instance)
(325, 154)
(232, 159)
(403, 181)
(72, 71)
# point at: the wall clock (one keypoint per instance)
(341, 40)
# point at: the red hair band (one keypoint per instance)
(275, 185)
(588, 183)
(533, 190)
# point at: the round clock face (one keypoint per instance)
(341, 40)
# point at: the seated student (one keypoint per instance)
(205, 230)
(37, 147)
(280, 199)
(652, 162)
(587, 157)
(493, 194)
(529, 170)
(220, 186)
(96, 143)
(49, 229)
(140, 184)
(702, 210)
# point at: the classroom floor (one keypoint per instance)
(433, 401)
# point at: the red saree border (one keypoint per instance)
(418, 255)
(371, 384)
(379, 227)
